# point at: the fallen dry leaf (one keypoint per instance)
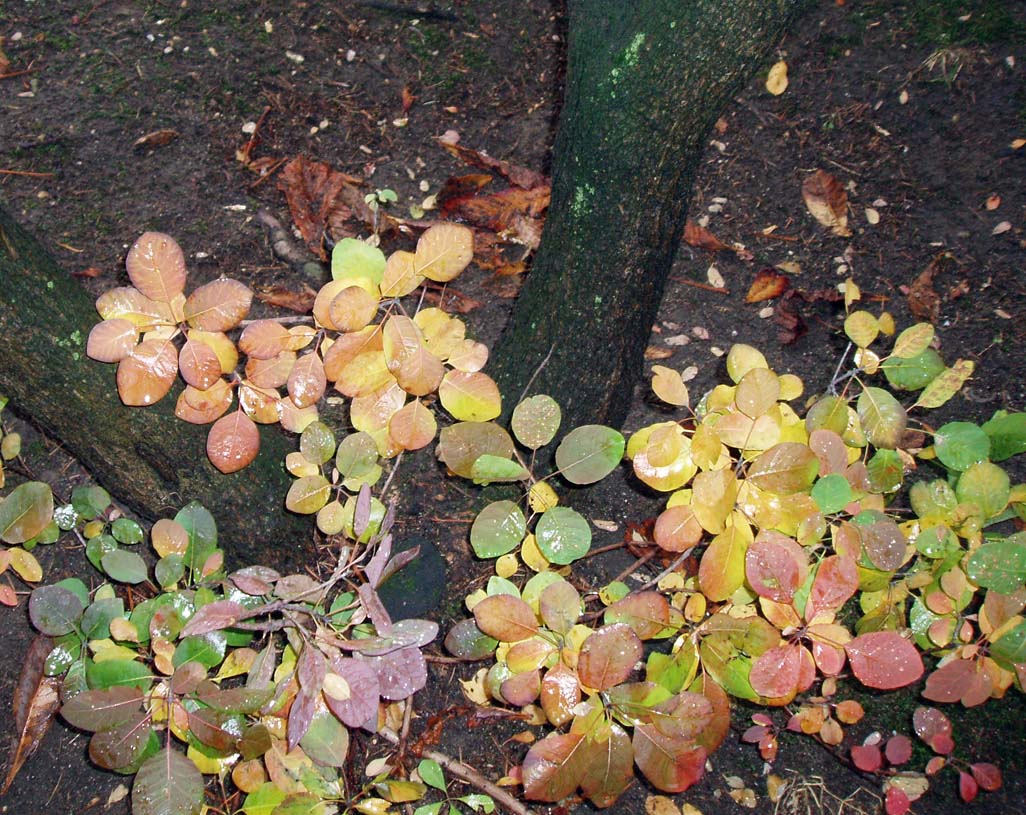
(92, 271)
(522, 177)
(768, 283)
(701, 238)
(715, 278)
(301, 301)
(158, 138)
(872, 216)
(776, 81)
(5, 63)
(657, 352)
(660, 805)
(721, 126)
(790, 267)
(1001, 228)
(35, 704)
(993, 202)
(923, 300)
(827, 201)
(408, 98)
(1018, 144)
(449, 299)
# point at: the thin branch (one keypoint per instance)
(27, 173)
(465, 773)
(699, 285)
(534, 376)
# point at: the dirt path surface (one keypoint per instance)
(117, 117)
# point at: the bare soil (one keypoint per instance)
(911, 108)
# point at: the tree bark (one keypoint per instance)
(645, 82)
(148, 459)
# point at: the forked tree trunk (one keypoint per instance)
(646, 80)
(145, 457)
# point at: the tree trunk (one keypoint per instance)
(147, 458)
(645, 82)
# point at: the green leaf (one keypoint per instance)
(563, 535)
(882, 416)
(308, 494)
(352, 258)
(488, 469)
(89, 502)
(1007, 432)
(985, 485)
(54, 610)
(1001, 565)
(1010, 648)
(126, 531)
(466, 641)
(913, 341)
(202, 531)
(498, 529)
(535, 421)
(357, 455)
(326, 740)
(99, 546)
(169, 570)
(431, 773)
(478, 802)
(167, 784)
(832, 493)
(885, 471)
(959, 445)
(263, 800)
(317, 443)
(25, 512)
(937, 542)
(125, 567)
(208, 650)
(113, 673)
(589, 453)
(429, 809)
(913, 373)
(97, 617)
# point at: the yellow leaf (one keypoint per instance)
(542, 497)
(474, 688)
(946, 385)
(532, 555)
(862, 328)
(776, 81)
(470, 397)
(238, 662)
(26, 565)
(660, 805)
(741, 359)
(506, 565)
(668, 386)
(827, 201)
(207, 765)
(444, 251)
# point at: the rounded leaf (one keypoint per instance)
(219, 305)
(536, 420)
(264, 339)
(167, 784)
(199, 365)
(589, 453)
(608, 656)
(54, 610)
(959, 445)
(25, 512)
(563, 535)
(147, 373)
(505, 618)
(112, 340)
(352, 258)
(156, 266)
(412, 426)
(233, 442)
(308, 494)
(882, 416)
(497, 529)
(470, 397)
(443, 251)
(461, 444)
(884, 660)
(785, 468)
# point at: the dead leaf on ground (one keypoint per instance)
(923, 300)
(522, 177)
(450, 299)
(300, 301)
(993, 202)
(158, 138)
(702, 238)
(5, 63)
(35, 704)
(768, 283)
(776, 81)
(827, 201)
(408, 98)
(92, 271)
(658, 352)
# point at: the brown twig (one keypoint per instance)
(465, 773)
(285, 249)
(22, 72)
(699, 285)
(26, 173)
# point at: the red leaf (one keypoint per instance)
(867, 757)
(884, 660)
(553, 767)
(701, 238)
(988, 776)
(934, 728)
(668, 763)
(898, 749)
(776, 672)
(950, 682)
(607, 657)
(896, 802)
(967, 786)
(935, 765)
(836, 581)
(213, 617)
(233, 442)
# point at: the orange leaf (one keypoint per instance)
(204, 406)
(145, 376)
(701, 238)
(768, 284)
(307, 382)
(219, 305)
(271, 373)
(156, 266)
(263, 339)
(300, 301)
(199, 365)
(413, 426)
(112, 340)
(233, 442)
(827, 201)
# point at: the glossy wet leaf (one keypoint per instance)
(443, 251)
(669, 763)
(560, 694)
(156, 266)
(497, 529)
(785, 468)
(668, 385)
(608, 656)
(961, 444)
(505, 618)
(721, 571)
(553, 767)
(646, 612)
(412, 426)
(218, 306)
(364, 692)
(934, 728)
(54, 610)
(835, 583)
(25, 512)
(536, 420)
(264, 339)
(563, 535)
(608, 767)
(400, 673)
(775, 566)
(882, 416)
(1007, 433)
(147, 373)
(466, 641)
(757, 392)
(308, 494)
(490, 469)
(461, 444)
(25, 565)
(470, 397)
(560, 606)
(589, 453)
(776, 673)
(199, 365)
(233, 442)
(677, 529)
(986, 485)
(326, 740)
(914, 373)
(714, 493)
(307, 381)
(884, 660)
(1000, 565)
(112, 340)
(124, 566)
(167, 784)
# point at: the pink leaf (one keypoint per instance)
(898, 749)
(896, 802)
(988, 776)
(884, 660)
(967, 786)
(867, 757)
